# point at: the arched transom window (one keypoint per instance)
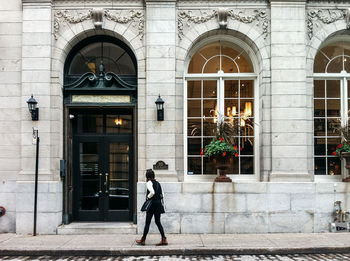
(101, 53)
(331, 104)
(220, 82)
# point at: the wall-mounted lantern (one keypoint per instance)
(160, 109)
(34, 111)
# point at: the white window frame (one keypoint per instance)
(343, 77)
(220, 77)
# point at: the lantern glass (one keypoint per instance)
(32, 104)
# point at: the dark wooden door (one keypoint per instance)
(103, 166)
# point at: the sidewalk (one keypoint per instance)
(179, 244)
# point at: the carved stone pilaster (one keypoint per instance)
(325, 16)
(187, 17)
(72, 17)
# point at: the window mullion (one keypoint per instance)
(344, 86)
(221, 94)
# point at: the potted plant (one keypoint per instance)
(222, 149)
(343, 149)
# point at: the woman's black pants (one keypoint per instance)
(148, 222)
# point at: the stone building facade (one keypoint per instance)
(278, 69)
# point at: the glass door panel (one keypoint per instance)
(89, 176)
(119, 175)
(118, 197)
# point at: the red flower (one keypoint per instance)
(236, 154)
(334, 153)
(241, 149)
(221, 139)
(340, 145)
(201, 152)
(235, 147)
(333, 149)
(224, 154)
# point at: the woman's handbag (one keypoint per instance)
(146, 206)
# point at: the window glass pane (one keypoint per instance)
(336, 65)
(332, 124)
(319, 89)
(119, 123)
(231, 89)
(333, 88)
(334, 166)
(333, 108)
(194, 108)
(247, 165)
(90, 123)
(320, 64)
(234, 166)
(228, 66)
(229, 51)
(209, 166)
(194, 165)
(244, 63)
(320, 166)
(231, 107)
(209, 126)
(247, 90)
(194, 89)
(246, 126)
(206, 141)
(194, 127)
(247, 146)
(210, 108)
(319, 126)
(319, 107)
(196, 63)
(89, 178)
(347, 61)
(209, 89)
(213, 65)
(247, 107)
(332, 145)
(115, 59)
(194, 146)
(210, 50)
(320, 146)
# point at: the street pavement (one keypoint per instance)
(294, 257)
(116, 245)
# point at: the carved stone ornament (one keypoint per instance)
(160, 165)
(186, 17)
(97, 16)
(326, 16)
(222, 18)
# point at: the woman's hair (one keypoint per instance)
(149, 174)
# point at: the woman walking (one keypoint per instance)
(154, 193)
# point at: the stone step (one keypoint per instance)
(97, 228)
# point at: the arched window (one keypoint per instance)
(88, 56)
(220, 82)
(331, 103)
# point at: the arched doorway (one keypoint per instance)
(100, 83)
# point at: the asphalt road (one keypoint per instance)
(295, 257)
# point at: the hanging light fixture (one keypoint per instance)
(118, 121)
(248, 109)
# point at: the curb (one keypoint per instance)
(177, 251)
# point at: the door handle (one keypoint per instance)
(100, 191)
(106, 182)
